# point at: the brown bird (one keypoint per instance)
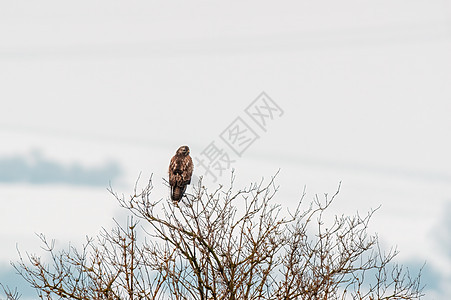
(180, 171)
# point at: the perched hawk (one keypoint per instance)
(180, 171)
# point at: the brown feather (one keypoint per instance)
(180, 172)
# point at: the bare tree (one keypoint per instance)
(223, 244)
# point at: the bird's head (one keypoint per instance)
(183, 150)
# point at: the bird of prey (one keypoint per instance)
(180, 171)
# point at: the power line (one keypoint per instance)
(318, 162)
(281, 42)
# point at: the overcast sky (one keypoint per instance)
(354, 91)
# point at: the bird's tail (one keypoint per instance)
(177, 192)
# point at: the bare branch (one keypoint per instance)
(223, 244)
